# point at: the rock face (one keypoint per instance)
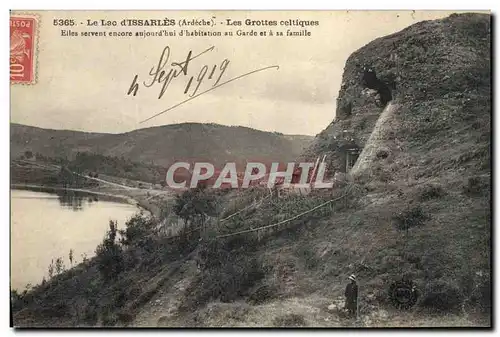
(437, 72)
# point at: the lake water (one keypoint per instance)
(46, 226)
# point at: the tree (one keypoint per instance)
(51, 269)
(109, 254)
(84, 258)
(136, 229)
(66, 177)
(71, 256)
(194, 205)
(59, 266)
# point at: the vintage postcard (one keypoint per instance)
(250, 169)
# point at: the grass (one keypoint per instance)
(289, 320)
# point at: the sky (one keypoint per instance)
(82, 82)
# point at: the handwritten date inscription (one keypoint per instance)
(203, 80)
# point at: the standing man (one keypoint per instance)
(351, 296)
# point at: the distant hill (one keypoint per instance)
(164, 144)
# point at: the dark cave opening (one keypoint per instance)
(371, 81)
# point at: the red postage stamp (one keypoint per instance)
(23, 35)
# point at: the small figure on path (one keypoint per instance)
(351, 296)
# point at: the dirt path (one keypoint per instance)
(57, 168)
(376, 140)
(309, 311)
(164, 305)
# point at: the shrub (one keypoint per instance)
(483, 296)
(381, 173)
(476, 186)
(194, 205)
(262, 295)
(409, 218)
(346, 109)
(442, 295)
(16, 300)
(383, 153)
(289, 320)
(109, 318)
(227, 273)
(90, 315)
(429, 192)
(307, 254)
(480, 295)
(125, 317)
(58, 309)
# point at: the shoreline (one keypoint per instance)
(141, 206)
(43, 188)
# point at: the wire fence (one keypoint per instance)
(286, 220)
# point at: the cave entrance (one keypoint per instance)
(371, 81)
(351, 156)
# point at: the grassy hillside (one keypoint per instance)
(419, 210)
(162, 145)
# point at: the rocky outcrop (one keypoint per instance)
(437, 72)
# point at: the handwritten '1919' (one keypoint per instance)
(160, 75)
